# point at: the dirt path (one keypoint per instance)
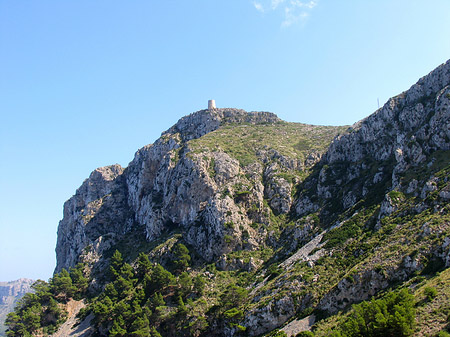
(299, 325)
(303, 252)
(68, 329)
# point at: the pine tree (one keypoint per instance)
(31, 317)
(116, 263)
(391, 316)
(118, 328)
(159, 279)
(234, 296)
(157, 300)
(185, 284)
(78, 280)
(182, 257)
(144, 265)
(61, 285)
(199, 285)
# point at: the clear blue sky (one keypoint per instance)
(86, 83)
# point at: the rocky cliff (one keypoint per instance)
(377, 151)
(306, 218)
(194, 186)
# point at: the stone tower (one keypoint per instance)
(211, 104)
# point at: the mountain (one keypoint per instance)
(209, 169)
(238, 223)
(10, 293)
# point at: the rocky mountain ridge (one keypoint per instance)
(168, 183)
(380, 148)
(313, 218)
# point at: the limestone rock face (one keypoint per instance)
(168, 185)
(377, 150)
(270, 316)
(98, 208)
(278, 190)
(204, 121)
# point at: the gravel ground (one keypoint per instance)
(68, 329)
(299, 325)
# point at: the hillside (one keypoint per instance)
(10, 293)
(238, 223)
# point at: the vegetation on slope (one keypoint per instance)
(244, 141)
(429, 303)
(164, 288)
(42, 312)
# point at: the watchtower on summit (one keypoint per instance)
(211, 104)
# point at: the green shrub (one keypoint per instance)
(305, 334)
(159, 279)
(390, 316)
(280, 333)
(430, 293)
(233, 313)
(396, 196)
(273, 271)
(240, 327)
(199, 285)
(337, 236)
(182, 257)
(234, 296)
(229, 225)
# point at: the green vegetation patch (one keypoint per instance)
(289, 139)
(433, 304)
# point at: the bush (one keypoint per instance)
(430, 293)
(234, 296)
(280, 333)
(273, 271)
(185, 284)
(350, 229)
(228, 239)
(159, 279)
(61, 284)
(199, 285)
(182, 257)
(234, 313)
(305, 334)
(393, 315)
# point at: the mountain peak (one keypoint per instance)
(204, 121)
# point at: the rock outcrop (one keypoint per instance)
(96, 213)
(206, 194)
(376, 151)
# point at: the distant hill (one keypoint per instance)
(10, 293)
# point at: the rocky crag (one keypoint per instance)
(316, 218)
(10, 293)
(178, 182)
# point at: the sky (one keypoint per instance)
(86, 83)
